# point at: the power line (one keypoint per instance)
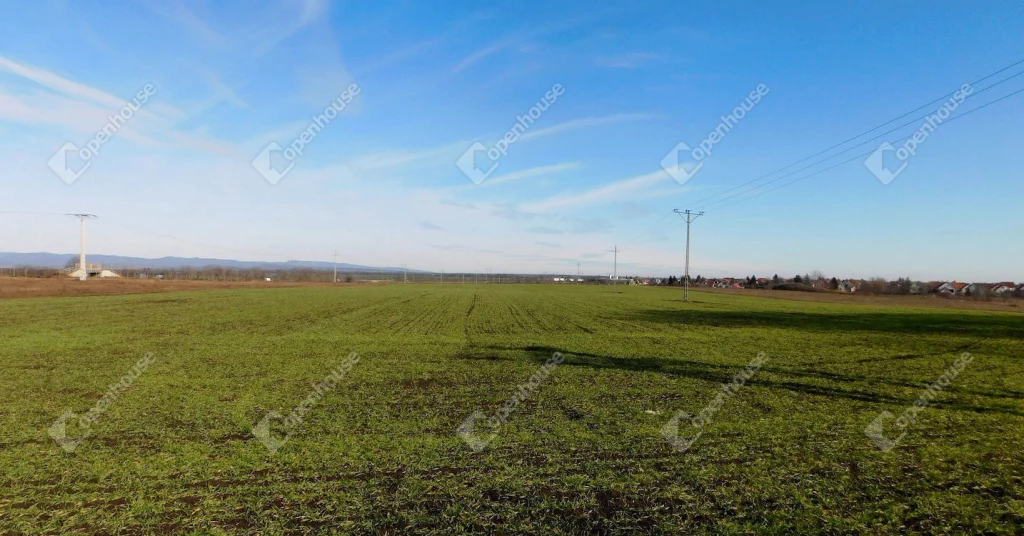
(809, 166)
(615, 277)
(739, 186)
(860, 156)
(651, 228)
(173, 237)
(32, 213)
(707, 202)
(689, 217)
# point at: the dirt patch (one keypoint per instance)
(30, 287)
(104, 502)
(418, 383)
(235, 437)
(189, 500)
(929, 300)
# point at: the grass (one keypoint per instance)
(582, 454)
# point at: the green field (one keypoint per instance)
(582, 453)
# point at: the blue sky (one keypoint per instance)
(379, 182)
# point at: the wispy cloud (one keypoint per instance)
(532, 172)
(430, 226)
(509, 211)
(259, 29)
(630, 60)
(588, 225)
(584, 123)
(616, 191)
(545, 230)
(60, 84)
(547, 244)
(399, 55)
(77, 107)
(480, 54)
(223, 91)
(454, 203)
(443, 155)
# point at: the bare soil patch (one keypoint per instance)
(30, 287)
(928, 300)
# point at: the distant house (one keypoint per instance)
(976, 289)
(762, 282)
(849, 285)
(1005, 287)
(951, 287)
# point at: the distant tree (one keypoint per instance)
(798, 279)
(72, 263)
(900, 286)
(875, 285)
(981, 292)
(834, 284)
(775, 279)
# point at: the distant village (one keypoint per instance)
(864, 286)
(814, 282)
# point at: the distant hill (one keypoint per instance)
(114, 262)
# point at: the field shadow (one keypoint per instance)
(721, 374)
(988, 326)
